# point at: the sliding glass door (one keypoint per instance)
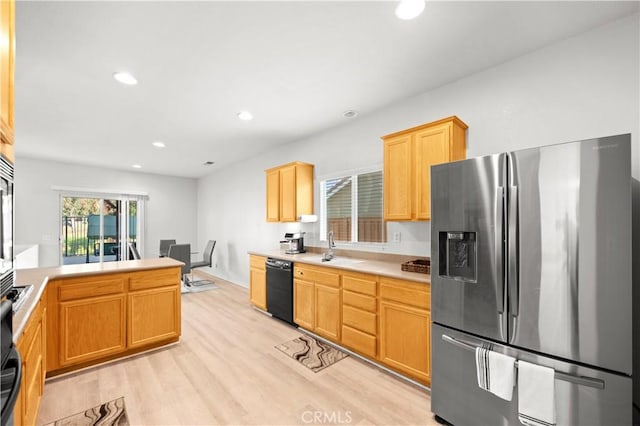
(98, 229)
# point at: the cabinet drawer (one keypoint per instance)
(359, 341)
(364, 302)
(151, 279)
(257, 262)
(365, 284)
(87, 287)
(319, 275)
(410, 293)
(361, 320)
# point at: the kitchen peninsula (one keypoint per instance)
(81, 315)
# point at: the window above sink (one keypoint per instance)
(351, 205)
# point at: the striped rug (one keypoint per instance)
(311, 353)
(112, 413)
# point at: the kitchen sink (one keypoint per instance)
(345, 261)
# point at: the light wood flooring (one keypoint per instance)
(225, 370)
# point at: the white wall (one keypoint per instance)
(171, 206)
(586, 86)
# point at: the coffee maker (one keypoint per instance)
(296, 242)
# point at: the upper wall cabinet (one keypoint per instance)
(7, 59)
(408, 157)
(289, 192)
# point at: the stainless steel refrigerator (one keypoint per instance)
(531, 254)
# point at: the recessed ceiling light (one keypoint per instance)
(158, 144)
(136, 166)
(409, 9)
(245, 115)
(125, 78)
(350, 113)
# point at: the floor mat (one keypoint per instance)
(112, 413)
(311, 353)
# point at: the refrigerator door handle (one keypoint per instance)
(499, 250)
(513, 284)
(578, 380)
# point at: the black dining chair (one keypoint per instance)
(181, 252)
(207, 260)
(164, 247)
(134, 251)
(206, 256)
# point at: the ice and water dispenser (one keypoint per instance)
(458, 255)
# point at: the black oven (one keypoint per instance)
(6, 225)
(11, 366)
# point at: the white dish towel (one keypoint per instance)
(536, 395)
(496, 372)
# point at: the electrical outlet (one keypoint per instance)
(396, 237)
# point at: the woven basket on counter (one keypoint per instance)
(421, 266)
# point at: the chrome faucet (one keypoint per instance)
(329, 255)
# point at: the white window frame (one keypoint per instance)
(354, 206)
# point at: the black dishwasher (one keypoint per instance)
(280, 289)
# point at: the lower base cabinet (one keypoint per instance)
(405, 328)
(92, 328)
(146, 304)
(316, 300)
(304, 304)
(405, 339)
(31, 345)
(360, 313)
(153, 307)
(258, 282)
(101, 317)
(327, 310)
(387, 320)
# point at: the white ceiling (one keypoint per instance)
(297, 66)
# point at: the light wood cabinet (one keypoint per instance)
(289, 192)
(398, 177)
(405, 328)
(317, 298)
(408, 157)
(273, 195)
(258, 281)
(327, 310)
(92, 328)
(99, 317)
(304, 303)
(7, 67)
(31, 345)
(150, 294)
(92, 318)
(360, 313)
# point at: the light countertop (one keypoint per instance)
(39, 277)
(384, 268)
